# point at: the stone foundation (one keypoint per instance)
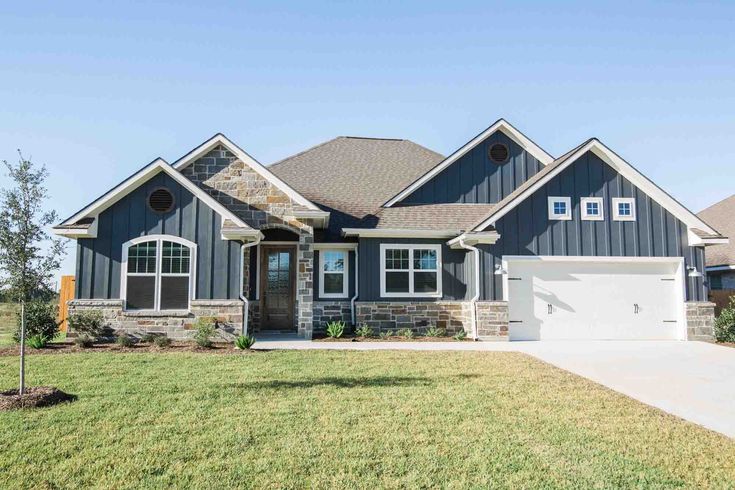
(176, 325)
(452, 316)
(329, 311)
(492, 320)
(700, 318)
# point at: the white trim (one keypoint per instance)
(335, 246)
(621, 166)
(466, 240)
(398, 233)
(600, 207)
(221, 139)
(717, 268)
(500, 125)
(695, 240)
(616, 201)
(157, 288)
(567, 201)
(321, 216)
(89, 232)
(411, 247)
(345, 274)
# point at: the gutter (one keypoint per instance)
(473, 300)
(243, 296)
(357, 286)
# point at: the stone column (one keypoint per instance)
(700, 321)
(305, 284)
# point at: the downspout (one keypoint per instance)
(243, 296)
(473, 300)
(357, 287)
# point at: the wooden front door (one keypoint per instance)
(278, 278)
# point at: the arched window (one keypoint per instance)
(158, 273)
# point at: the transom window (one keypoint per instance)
(158, 273)
(560, 208)
(333, 274)
(624, 209)
(592, 209)
(410, 270)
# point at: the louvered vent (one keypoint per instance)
(161, 200)
(499, 153)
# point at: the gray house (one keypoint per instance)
(499, 239)
(721, 258)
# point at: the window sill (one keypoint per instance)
(156, 313)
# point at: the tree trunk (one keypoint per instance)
(22, 348)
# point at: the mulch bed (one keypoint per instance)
(37, 396)
(388, 339)
(68, 347)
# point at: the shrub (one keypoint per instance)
(124, 340)
(150, 337)
(436, 332)
(38, 341)
(84, 340)
(205, 330)
(244, 342)
(725, 323)
(161, 341)
(335, 329)
(406, 333)
(461, 335)
(364, 331)
(40, 319)
(88, 322)
(386, 334)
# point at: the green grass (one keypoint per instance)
(7, 322)
(343, 419)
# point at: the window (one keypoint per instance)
(410, 270)
(333, 274)
(592, 209)
(715, 281)
(560, 208)
(623, 209)
(158, 273)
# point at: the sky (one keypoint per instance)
(96, 90)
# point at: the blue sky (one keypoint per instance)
(95, 90)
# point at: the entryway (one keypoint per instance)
(277, 286)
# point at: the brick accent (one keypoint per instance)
(492, 320)
(178, 326)
(700, 317)
(328, 311)
(418, 316)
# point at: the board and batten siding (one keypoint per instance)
(99, 259)
(474, 178)
(456, 270)
(527, 229)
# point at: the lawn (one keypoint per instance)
(343, 419)
(7, 322)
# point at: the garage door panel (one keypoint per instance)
(592, 300)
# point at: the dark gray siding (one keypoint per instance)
(474, 178)
(455, 265)
(527, 230)
(351, 265)
(99, 259)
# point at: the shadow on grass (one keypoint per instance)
(343, 382)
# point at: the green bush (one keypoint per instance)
(161, 341)
(244, 342)
(364, 331)
(84, 340)
(461, 335)
(124, 340)
(38, 341)
(41, 319)
(335, 329)
(205, 330)
(150, 337)
(386, 334)
(90, 322)
(725, 323)
(405, 333)
(436, 332)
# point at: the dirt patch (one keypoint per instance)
(141, 347)
(727, 344)
(388, 339)
(37, 396)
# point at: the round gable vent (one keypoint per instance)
(499, 153)
(161, 200)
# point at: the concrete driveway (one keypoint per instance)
(693, 380)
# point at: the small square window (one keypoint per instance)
(560, 208)
(623, 209)
(592, 209)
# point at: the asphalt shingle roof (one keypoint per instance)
(721, 217)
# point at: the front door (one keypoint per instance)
(277, 283)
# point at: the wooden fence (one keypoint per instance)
(65, 294)
(721, 298)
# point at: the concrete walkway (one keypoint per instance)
(693, 380)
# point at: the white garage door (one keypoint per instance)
(568, 299)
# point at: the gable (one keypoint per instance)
(475, 178)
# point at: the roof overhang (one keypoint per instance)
(398, 233)
(717, 268)
(319, 218)
(474, 238)
(76, 231)
(500, 125)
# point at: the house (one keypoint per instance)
(720, 263)
(500, 239)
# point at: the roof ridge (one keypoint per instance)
(373, 138)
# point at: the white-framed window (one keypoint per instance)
(410, 270)
(623, 208)
(158, 273)
(560, 208)
(592, 209)
(333, 273)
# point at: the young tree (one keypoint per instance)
(29, 257)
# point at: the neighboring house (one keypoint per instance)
(721, 258)
(499, 239)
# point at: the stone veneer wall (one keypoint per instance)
(305, 285)
(418, 316)
(178, 326)
(329, 311)
(700, 318)
(492, 320)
